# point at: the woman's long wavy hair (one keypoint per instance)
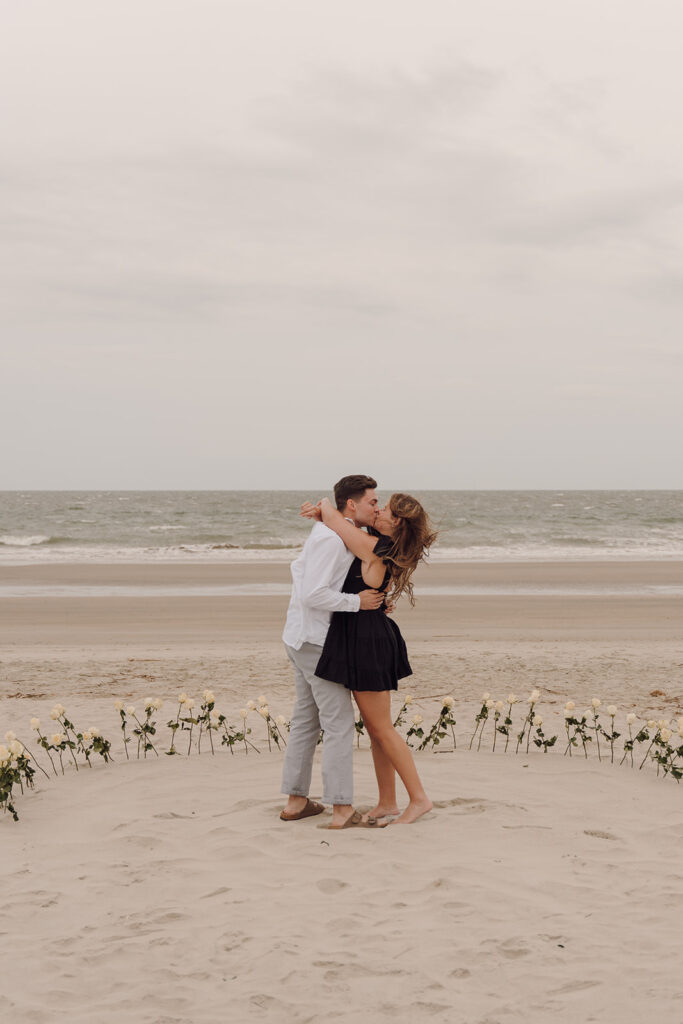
(413, 537)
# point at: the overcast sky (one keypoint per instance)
(267, 243)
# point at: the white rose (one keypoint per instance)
(148, 703)
(35, 724)
(663, 723)
(262, 700)
(214, 714)
(417, 719)
(4, 753)
(651, 724)
(130, 710)
(630, 719)
(87, 736)
(533, 696)
(665, 734)
(570, 705)
(189, 703)
(586, 714)
(612, 710)
(157, 703)
(499, 705)
(512, 698)
(54, 714)
(208, 697)
(595, 703)
(251, 705)
(281, 720)
(118, 705)
(263, 711)
(182, 697)
(94, 731)
(408, 699)
(244, 712)
(537, 720)
(16, 748)
(490, 702)
(448, 702)
(485, 697)
(57, 738)
(9, 736)
(568, 713)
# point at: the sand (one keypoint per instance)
(167, 891)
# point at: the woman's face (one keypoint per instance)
(386, 522)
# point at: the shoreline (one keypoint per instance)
(556, 608)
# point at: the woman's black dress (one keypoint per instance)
(364, 650)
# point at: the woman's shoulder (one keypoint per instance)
(384, 544)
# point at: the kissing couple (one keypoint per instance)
(356, 563)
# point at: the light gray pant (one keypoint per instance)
(320, 704)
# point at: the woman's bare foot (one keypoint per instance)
(380, 812)
(341, 814)
(414, 810)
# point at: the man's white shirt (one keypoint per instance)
(317, 577)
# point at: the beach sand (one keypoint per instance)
(167, 891)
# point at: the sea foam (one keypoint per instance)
(10, 541)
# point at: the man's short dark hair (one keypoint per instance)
(353, 488)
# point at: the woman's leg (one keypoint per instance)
(385, 774)
(376, 711)
(386, 783)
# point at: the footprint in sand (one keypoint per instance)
(463, 804)
(574, 986)
(440, 883)
(264, 1002)
(168, 918)
(216, 892)
(547, 827)
(598, 833)
(511, 949)
(331, 885)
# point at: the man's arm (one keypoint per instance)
(321, 563)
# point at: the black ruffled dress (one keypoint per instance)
(364, 650)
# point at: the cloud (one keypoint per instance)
(664, 287)
(588, 217)
(337, 112)
(428, 197)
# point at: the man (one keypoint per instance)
(318, 575)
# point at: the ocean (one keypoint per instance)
(230, 526)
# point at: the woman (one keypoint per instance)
(366, 652)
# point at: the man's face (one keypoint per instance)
(364, 509)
